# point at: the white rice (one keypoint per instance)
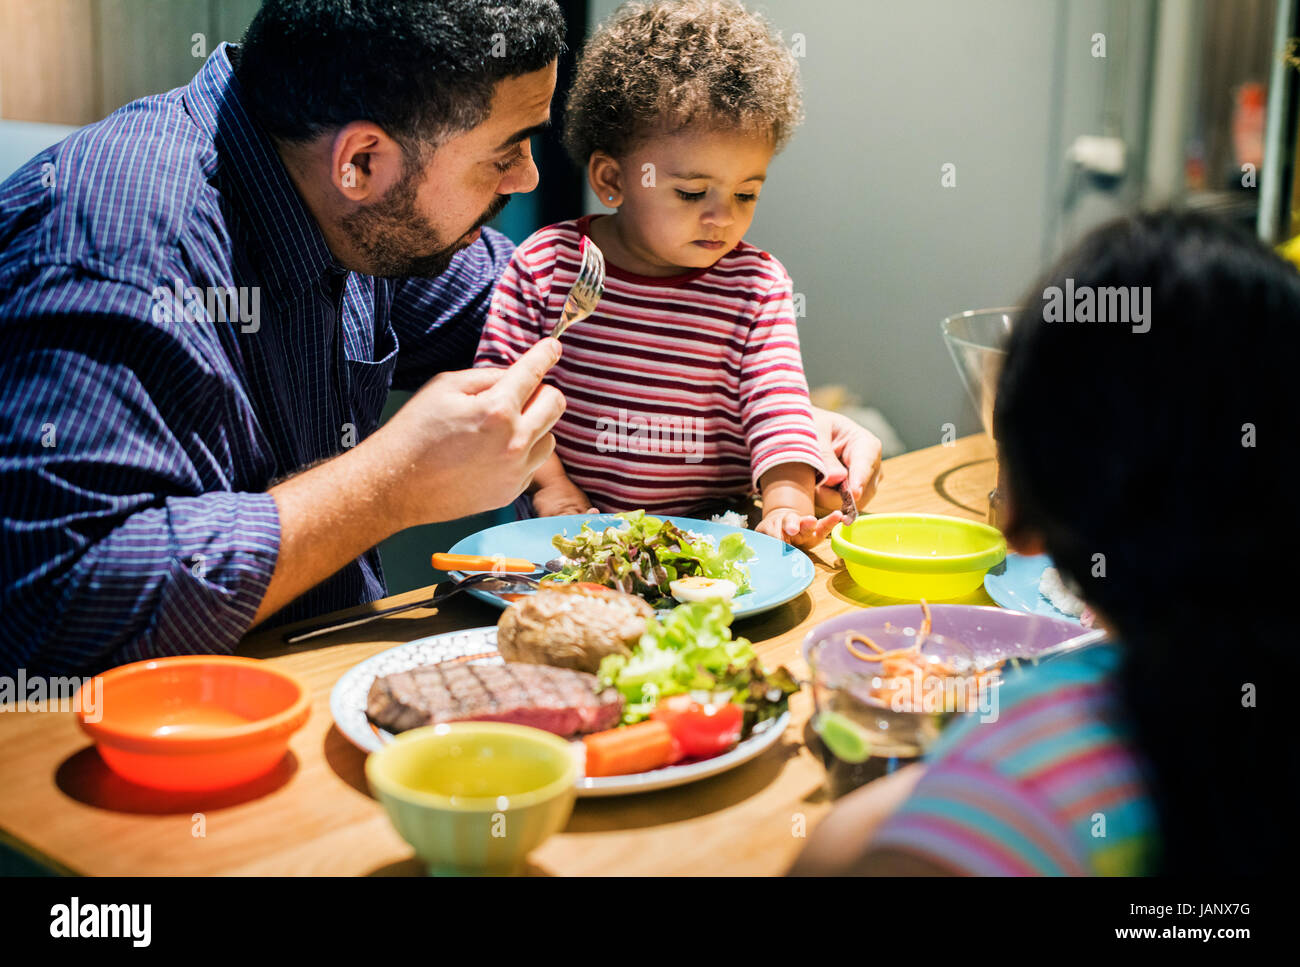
(1052, 586)
(699, 538)
(731, 519)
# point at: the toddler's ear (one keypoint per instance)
(605, 176)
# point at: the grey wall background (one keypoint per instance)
(855, 209)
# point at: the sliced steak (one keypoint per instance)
(558, 700)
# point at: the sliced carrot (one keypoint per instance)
(633, 748)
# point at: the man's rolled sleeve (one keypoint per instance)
(185, 578)
(122, 533)
(227, 545)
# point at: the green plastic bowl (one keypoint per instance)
(914, 556)
(475, 797)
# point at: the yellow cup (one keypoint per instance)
(475, 797)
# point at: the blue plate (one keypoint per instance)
(1013, 584)
(778, 573)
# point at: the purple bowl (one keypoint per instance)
(990, 633)
(967, 632)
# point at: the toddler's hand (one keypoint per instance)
(801, 530)
(562, 497)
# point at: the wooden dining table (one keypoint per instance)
(63, 810)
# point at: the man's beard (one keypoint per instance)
(388, 231)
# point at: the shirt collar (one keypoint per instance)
(293, 248)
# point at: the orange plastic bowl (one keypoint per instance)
(194, 723)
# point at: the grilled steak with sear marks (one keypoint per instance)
(558, 700)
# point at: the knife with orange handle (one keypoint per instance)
(477, 562)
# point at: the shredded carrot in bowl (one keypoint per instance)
(858, 636)
(903, 670)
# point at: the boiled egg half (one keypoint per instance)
(702, 589)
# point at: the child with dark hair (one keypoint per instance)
(1149, 459)
(686, 385)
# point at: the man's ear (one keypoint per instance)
(364, 161)
(605, 175)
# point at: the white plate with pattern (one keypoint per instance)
(348, 706)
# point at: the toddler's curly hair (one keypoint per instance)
(664, 65)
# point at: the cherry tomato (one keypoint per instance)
(701, 730)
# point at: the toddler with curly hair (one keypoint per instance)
(686, 385)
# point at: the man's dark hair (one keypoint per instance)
(423, 70)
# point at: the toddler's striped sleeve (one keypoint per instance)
(775, 407)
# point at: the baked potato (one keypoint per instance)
(572, 626)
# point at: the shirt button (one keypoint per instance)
(765, 255)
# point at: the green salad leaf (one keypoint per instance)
(647, 553)
(690, 649)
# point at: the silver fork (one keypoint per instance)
(848, 506)
(587, 289)
(1085, 640)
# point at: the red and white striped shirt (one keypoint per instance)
(680, 390)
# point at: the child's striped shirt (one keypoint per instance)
(680, 390)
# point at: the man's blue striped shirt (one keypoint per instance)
(138, 436)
